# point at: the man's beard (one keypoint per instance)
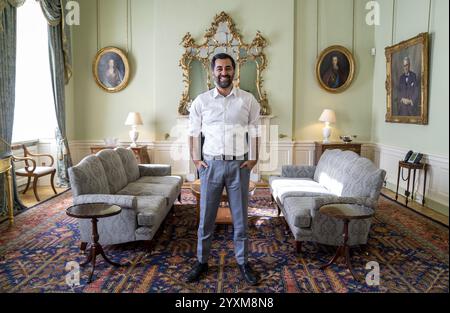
(224, 83)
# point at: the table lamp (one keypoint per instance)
(327, 117)
(133, 119)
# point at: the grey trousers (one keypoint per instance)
(214, 178)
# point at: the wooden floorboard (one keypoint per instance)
(424, 210)
(44, 192)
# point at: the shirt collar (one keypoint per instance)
(232, 93)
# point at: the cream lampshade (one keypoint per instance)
(134, 119)
(328, 117)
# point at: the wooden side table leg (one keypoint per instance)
(424, 185)
(398, 182)
(94, 250)
(335, 257)
(348, 262)
(102, 253)
(407, 186)
(89, 257)
(346, 250)
(341, 250)
(413, 184)
(94, 256)
(83, 247)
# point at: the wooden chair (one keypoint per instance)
(31, 170)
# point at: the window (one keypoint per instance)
(34, 113)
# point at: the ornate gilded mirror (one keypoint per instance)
(222, 36)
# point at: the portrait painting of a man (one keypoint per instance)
(335, 69)
(408, 91)
(335, 76)
(407, 81)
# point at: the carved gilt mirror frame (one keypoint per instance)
(222, 36)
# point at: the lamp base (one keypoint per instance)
(134, 134)
(326, 132)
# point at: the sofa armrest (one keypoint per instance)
(298, 171)
(124, 201)
(155, 170)
(321, 201)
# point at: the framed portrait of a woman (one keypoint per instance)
(335, 69)
(111, 69)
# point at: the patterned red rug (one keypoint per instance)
(411, 250)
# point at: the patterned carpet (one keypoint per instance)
(412, 252)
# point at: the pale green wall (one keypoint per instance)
(320, 24)
(296, 30)
(157, 28)
(99, 114)
(405, 19)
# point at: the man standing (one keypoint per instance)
(228, 118)
(408, 91)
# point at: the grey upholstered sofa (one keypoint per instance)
(146, 193)
(339, 177)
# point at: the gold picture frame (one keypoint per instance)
(111, 69)
(223, 36)
(339, 78)
(407, 81)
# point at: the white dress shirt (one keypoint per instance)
(224, 121)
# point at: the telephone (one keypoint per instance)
(407, 156)
(413, 157)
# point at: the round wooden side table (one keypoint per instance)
(94, 211)
(346, 213)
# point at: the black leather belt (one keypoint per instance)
(223, 157)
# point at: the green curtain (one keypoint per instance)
(8, 17)
(61, 71)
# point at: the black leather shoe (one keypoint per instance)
(249, 275)
(197, 271)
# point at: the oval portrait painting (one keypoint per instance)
(335, 68)
(111, 70)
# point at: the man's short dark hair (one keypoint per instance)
(222, 56)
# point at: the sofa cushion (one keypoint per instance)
(130, 163)
(169, 191)
(88, 177)
(298, 210)
(155, 170)
(177, 180)
(151, 210)
(284, 187)
(117, 178)
(333, 168)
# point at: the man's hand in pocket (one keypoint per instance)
(199, 163)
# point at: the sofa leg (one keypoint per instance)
(179, 197)
(298, 247)
(278, 211)
(83, 247)
(148, 245)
